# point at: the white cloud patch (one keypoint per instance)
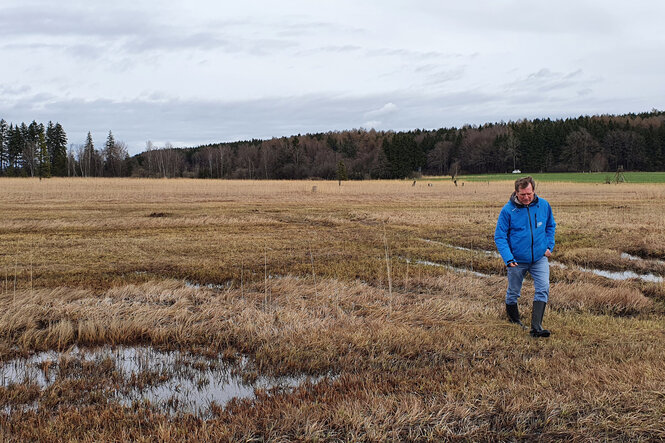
(388, 108)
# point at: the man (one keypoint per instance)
(524, 236)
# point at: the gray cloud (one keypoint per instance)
(442, 76)
(85, 64)
(412, 54)
(192, 122)
(580, 17)
(331, 49)
(9, 90)
(63, 21)
(93, 34)
(544, 81)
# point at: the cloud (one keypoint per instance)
(546, 81)
(182, 122)
(8, 90)
(388, 108)
(371, 124)
(330, 49)
(271, 70)
(442, 76)
(102, 33)
(412, 54)
(70, 21)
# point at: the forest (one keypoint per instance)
(631, 142)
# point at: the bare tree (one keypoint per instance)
(29, 155)
(71, 162)
(579, 150)
(512, 148)
(439, 157)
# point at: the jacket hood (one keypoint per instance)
(516, 201)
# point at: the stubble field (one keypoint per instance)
(367, 311)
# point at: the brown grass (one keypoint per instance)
(424, 355)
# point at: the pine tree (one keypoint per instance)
(110, 141)
(403, 154)
(87, 162)
(114, 155)
(4, 141)
(44, 161)
(14, 149)
(50, 129)
(56, 141)
(341, 171)
(28, 148)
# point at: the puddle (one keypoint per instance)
(227, 284)
(624, 275)
(175, 382)
(613, 275)
(452, 268)
(192, 284)
(635, 258)
(461, 248)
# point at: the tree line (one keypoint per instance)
(587, 143)
(38, 150)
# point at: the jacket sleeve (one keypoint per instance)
(501, 236)
(550, 228)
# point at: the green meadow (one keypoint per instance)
(567, 177)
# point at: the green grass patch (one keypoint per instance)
(571, 177)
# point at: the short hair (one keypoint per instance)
(524, 182)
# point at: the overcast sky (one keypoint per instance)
(196, 71)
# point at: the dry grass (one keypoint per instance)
(427, 355)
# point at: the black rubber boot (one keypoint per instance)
(514, 314)
(537, 320)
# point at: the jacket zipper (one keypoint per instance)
(528, 213)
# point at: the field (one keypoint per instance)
(369, 311)
(572, 177)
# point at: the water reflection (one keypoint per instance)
(173, 381)
(635, 258)
(461, 248)
(624, 275)
(452, 268)
(621, 275)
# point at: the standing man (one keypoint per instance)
(524, 236)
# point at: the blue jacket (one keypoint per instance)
(524, 233)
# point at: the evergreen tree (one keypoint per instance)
(28, 149)
(108, 155)
(56, 141)
(341, 171)
(403, 154)
(4, 141)
(114, 156)
(110, 141)
(50, 129)
(88, 158)
(44, 161)
(14, 149)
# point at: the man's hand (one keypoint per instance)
(548, 253)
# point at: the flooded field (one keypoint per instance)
(366, 311)
(172, 382)
(612, 275)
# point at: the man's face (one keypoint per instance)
(525, 195)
